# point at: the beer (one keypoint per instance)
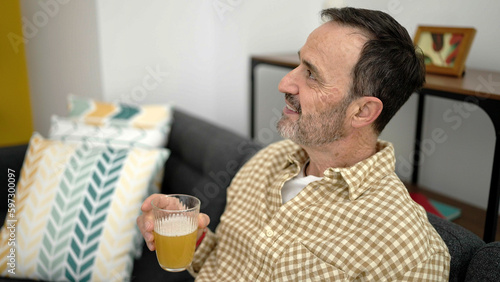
(175, 230)
(175, 240)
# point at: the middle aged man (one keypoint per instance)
(326, 204)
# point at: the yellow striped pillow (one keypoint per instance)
(75, 211)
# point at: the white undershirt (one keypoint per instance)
(293, 186)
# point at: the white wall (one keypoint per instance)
(202, 49)
(62, 55)
(196, 54)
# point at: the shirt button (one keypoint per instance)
(269, 232)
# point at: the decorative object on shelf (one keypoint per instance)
(445, 48)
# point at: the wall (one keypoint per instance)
(62, 55)
(15, 112)
(200, 49)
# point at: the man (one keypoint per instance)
(326, 204)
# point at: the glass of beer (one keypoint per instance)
(175, 230)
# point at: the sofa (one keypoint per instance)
(203, 160)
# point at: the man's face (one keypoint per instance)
(316, 92)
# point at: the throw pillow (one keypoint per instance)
(73, 131)
(75, 211)
(104, 113)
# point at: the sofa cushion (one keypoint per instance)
(75, 211)
(461, 243)
(485, 264)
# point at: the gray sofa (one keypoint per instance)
(203, 160)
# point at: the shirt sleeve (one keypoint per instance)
(436, 268)
(202, 252)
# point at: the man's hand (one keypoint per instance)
(146, 222)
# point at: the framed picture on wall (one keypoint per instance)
(445, 48)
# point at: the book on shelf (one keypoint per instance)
(449, 212)
(422, 200)
(437, 208)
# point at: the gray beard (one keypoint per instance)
(314, 130)
(306, 131)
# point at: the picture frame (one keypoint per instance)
(445, 49)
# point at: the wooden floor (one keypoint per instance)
(472, 218)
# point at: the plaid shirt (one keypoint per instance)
(357, 223)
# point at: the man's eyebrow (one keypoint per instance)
(310, 66)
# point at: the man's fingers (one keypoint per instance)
(203, 220)
(146, 205)
(146, 228)
(146, 222)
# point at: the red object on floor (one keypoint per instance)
(424, 202)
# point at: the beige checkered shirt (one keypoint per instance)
(357, 223)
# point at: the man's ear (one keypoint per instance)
(366, 111)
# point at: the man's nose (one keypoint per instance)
(288, 83)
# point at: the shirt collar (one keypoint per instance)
(298, 157)
(360, 176)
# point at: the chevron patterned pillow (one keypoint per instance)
(75, 211)
(95, 112)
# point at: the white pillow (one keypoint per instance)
(73, 131)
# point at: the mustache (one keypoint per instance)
(294, 102)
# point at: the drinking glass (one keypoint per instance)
(175, 230)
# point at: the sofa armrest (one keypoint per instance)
(461, 243)
(485, 264)
(11, 160)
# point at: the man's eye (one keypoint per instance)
(310, 75)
